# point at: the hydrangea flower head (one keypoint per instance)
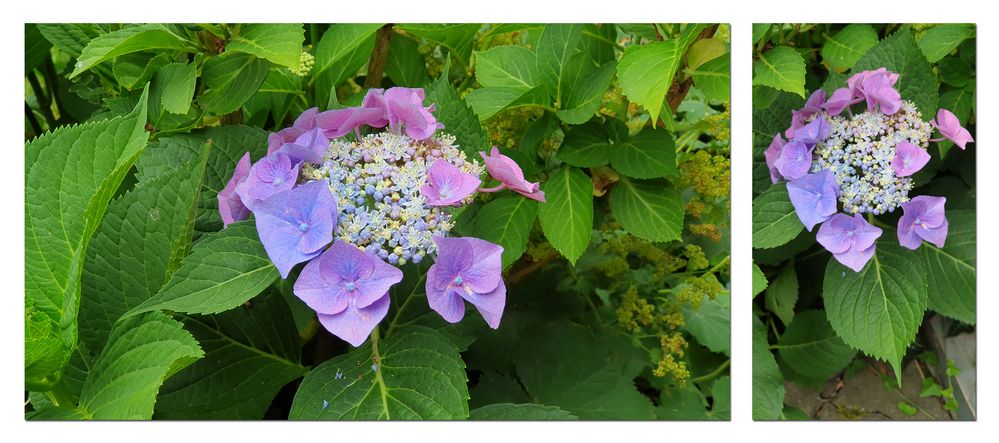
(305, 121)
(272, 174)
(348, 288)
(295, 225)
(795, 160)
(510, 176)
(950, 127)
(923, 218)
(447, 185)
(772, 154)
(850, 239)
(909, 159)
(813, 197)
(231, 206)
(467, 269)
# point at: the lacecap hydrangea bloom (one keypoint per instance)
(354, 204)
(840, 168)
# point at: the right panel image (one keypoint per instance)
(864, 237)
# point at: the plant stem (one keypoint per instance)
(713, 374)
(398, 314)
(377, 360)
(719, 265)
(61, 396)
(379, 57)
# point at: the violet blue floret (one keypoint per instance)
(814, 103)
(309, 147)
(794, 161)
(296, 224)
(877, 88)
(850, 239)
(348, 289)
(772, 154)
(270, 175)
(840, 100)
(231, 206)
(923, 219)
(305, 121)
(812, 133)
(814, 197)
(909, 159)
(405, 110)
(469, 269)
(447, 185)
(340, 122)
(510, 176)
(950, 127)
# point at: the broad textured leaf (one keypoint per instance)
(50, 413)
(768, 383)
(141, 352)
(406, 66)
(939, 40)
(340, 53)
(650, 210)
(782, 294)
(759, 280)
(458, 118)
(686, 403)
(520, 412)
(781, 68)
(556, 45)
(587, 145)
(415, 374)
(951, 270)
(70, 175)
(648, 154)
(587, 374)
(488, 102)
(709, 324)
(646, 73)
(457, 37)
(279, 43)
(231, 79)
(134, 70)
(70, 38)
(224, 270)
(506, 221)
(713, 78)
(917, 81)
(36, 48)
(879, 309)
(774, 220)
(844, 48)
(251, 352)
(810, 346)
(585, 94)
(567, 215)
(140, 243)
(173, 88)
(510, 66)
(132, 39)
(703, 51)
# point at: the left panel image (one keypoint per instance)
(376, 222)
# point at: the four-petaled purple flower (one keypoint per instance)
(877, 87)
(950, 127)
(812, 133)
(305, 121)
(510, 176)
(467, 269)
(348, 289)
(311, 146)
(272, 174)
(339, 122)
(909, 159)
(772, 154)
(841, 99)
(850, 239)
(447, 185)
(923, 219)
(295, 225)
(814, 197)
(795, 159)
(814, 103)
(231, 206)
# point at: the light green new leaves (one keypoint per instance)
(141, 353)
(280, 43)
(810, 346)
(951, 270)
(520, 412)
(939, 40)
(70, 175)
(781, 68)
(917, 81)
(555, 46)
(650, 210)
(231, 79)
(128, 40)
(173, 88)
(759, 280)
(879, 309)
(782, 294)
(342, 50)
(567, 215)
(768, 383)
(224, 270)
(844, 48)
(415, 374)
(646, 73)
(774, 219)
(506, 221)
(709, 324)
(713, 78)
(509, 76)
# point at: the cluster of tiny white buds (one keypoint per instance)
(305, 64)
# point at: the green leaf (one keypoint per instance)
(760, 31)
(279, 43)
(951, 271)
(781, 68)
(650, 210)
(917, 81)
(506, 221)
(251, 352)
(713, 78)
(585, 93)
(587, 145)
(941, 39)
(810, 346)
(703, 51)
(128, 40)
(520, 412)
(70, 175)
(954, 71)
(224, 270)
(567, 215)
(510, 66)
(488, 102)
(141, 353)
(136, 69)
(459, 38)
(649, 154)
(70, 38)
(843, 49)
(458, 119)
(768, 383)
(415, 374)
(340, 53)
(36, 48)
(709, 324)
(646, 73)
(759, 280)
(231, 79)
(782, 294)
(406, 66)
(173, 88)
(556, 45)
(686, 403)
(139, 244)
(879, 309)
(774, 220)
(589, 375)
